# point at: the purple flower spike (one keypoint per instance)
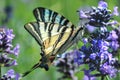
(102, 5)
(100, 48)
(17, 76)
(85, 40)
(90, 28)
(89, 78)
(112, 23)
(14, 63)
(87, 75)
(115, 12)
(6, 47)
(112, 35)
(93, 56)
(9, 33)
(82, 15)
(115, 45)
(16, 50)
(10, 73)
(108, 69)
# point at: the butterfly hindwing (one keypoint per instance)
(47, 15)
(77, 34)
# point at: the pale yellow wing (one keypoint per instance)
(49, 36)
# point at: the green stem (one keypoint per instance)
(102, 77)
(0, 72)
(107, 77)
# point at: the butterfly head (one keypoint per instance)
(46, 62)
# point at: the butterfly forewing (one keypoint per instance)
(47, 15)
(49, 36)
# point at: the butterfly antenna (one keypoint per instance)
(33, 68)
(40, 64)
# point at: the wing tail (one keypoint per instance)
(38, 65)
(32, 69)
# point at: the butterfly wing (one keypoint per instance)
(54, 33)
(47, 15)
(75, 37)
(48, 35)
(60, 40)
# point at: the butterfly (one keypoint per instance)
(54, 33)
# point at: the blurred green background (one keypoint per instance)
(29, 51)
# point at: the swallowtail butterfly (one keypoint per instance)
(54, 33)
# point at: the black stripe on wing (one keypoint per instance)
(47, 15)
(71, 40)
(44, 30)
(33, 29)
(60, 37)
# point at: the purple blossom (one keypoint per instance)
(100, 45)
(68, 65)
(115, 12)
(5, 60)
(103, 45)
(112, 23)
(78, 57)
(98, 17)
(85, 40)
(18, 77)
(104, 55)
(90, 28)
(102, 5)
(87, 75)
(108, 69)
(6, 47)
(10, 75)
(13, 63)
(112, 35)
(9, 34)
(16, 50)
(89, 78)
(93, 56)
(114, 45)
(82, 14)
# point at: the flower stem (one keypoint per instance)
(0, 72)
(102, 77)
(107, 78)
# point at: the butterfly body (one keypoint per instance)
(54, 33)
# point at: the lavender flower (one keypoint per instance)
(98, 16)
(101, 52)
(100, 48)
(6, 48)
(88, 76)
(108, 69)
(10, 75)
(115, 12)
(68, 65)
